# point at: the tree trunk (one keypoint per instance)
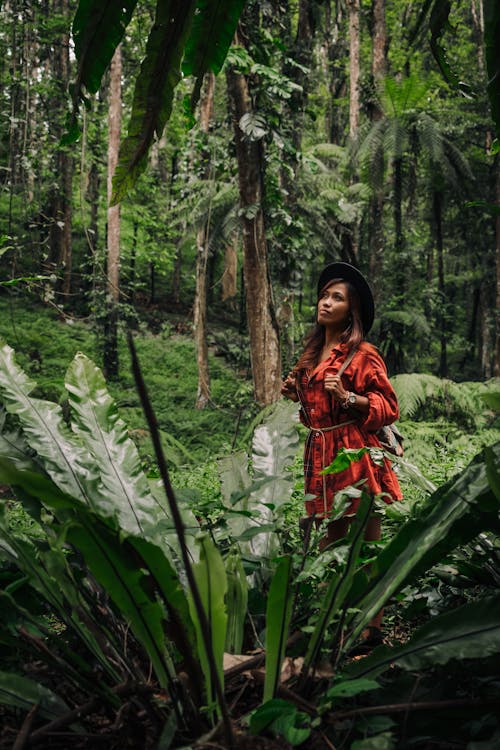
(262, 326)
(60, 232)
(376, 207)
(202, 245)
(379, 42)
(113, 266)
(437, 206)
(354, 68)
(230, 275)
(496, 361)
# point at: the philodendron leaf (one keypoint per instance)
(98, 28)
(123, 489)
(278, 616)
(469, 632)
(21, 692)
(212, 32)
(154, 90)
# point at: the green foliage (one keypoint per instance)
(278, 617)
(154, 91)
(98, 29)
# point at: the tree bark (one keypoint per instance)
(354, 68)
(202, 245)
(376, 207)
(437, 205)
(496, 361)
(230, 275)
(111, 364)
(262, 326)
(60, 232)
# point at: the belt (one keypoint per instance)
(321, 431)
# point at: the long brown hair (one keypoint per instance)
(352, 336)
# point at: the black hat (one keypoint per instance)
(349, 273)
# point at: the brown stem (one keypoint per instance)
(22, 737)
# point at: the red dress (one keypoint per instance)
(366, 375)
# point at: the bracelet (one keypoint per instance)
(350, 400)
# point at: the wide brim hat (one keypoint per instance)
(346, 272)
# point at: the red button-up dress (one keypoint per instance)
(366, 375)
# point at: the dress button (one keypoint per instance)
(316, 434)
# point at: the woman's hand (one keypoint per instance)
(333, 384)
(289, 388)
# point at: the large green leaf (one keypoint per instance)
(278, 616)
(236, 601)
(123, 488)
(210, 577)
(98, 29)
(179, 628)
(453, 515)
(24, 693)
(469, 632)
(154, 90)
(212, 32)
(339, 585)
(274, 447)
(110, 561)
(64, 459)
(115, 568)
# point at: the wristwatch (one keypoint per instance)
(350, 400)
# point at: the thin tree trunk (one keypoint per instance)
(111, 364)
(376, 208)
(202, 245)
(379, 42)
(437, 204)
(262, 326)
(354, 66)
(66, 167)
(496, 361)
(230, 275)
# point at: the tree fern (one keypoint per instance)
(419, 393)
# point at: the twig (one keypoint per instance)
(327, 741)
(180, 531)
(24, 732)
(394, 708)
(85, 709)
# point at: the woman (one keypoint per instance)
(345, 395)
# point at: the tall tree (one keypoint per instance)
(111, 364)
(202, 248)
(262, 325)
(376, 208)
(61, 210)
(354, 65)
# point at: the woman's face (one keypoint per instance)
(334, 306)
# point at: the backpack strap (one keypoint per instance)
(347, 361)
